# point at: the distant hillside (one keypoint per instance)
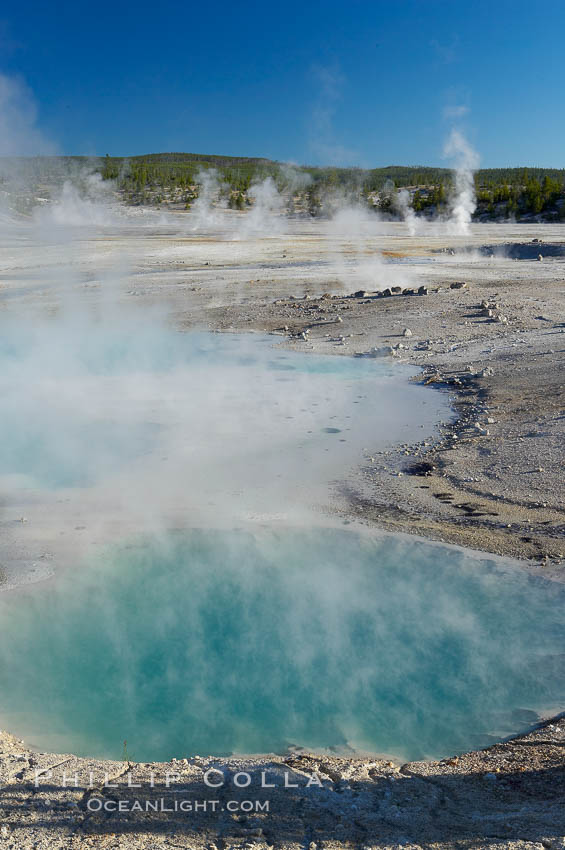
(501, 192)
(174, 179)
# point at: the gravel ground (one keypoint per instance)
(508, 796)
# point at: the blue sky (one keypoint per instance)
(345, 83)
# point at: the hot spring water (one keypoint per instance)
(230, 635)
(81, 404)
(219, 642)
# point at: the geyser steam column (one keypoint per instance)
(463, 203)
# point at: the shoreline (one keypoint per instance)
(472, 502)
(507, 795)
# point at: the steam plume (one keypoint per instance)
(464, 202)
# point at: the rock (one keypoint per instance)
(407, 332)
(408, 292)
(387, 292)
(396, 290)
(383, 351)
(422, 290)
(486, 372)
(459, 284)
(421, 468)
(360, 294)
(540, 258)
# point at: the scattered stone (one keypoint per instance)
(406, 332)
(480, 429)
(423, 290)
(459, 284)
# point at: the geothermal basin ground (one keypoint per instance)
(467, 449)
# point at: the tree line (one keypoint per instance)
(175, 177)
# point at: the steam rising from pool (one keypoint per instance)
(209, 642)
(119, 424)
